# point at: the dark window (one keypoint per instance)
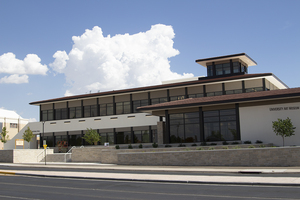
(50, 114)
(175, 98)
(238, 91)
(256, 89)
(226, 68)
(209, 94)
(154, 135)
(49, 140)
(244, 68)
(184, 127)
(196, 95)
(47, 115)
(210, 70)
(106, 109)
(236, 67)
(107, 137)
(159, 100)
(61, 113)
(75, 140)
(75, 112)
(124, 137)
(141, 136)
(223, 69)
(139, 103)
(13, 125)
(220, 125)
(87, 111)
(44, 115)
(122, 107)
(219, 70)
(61, 143)
(90, 111)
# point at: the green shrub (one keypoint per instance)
(225, 148)
(225, 143)
(262, 146)
(235, 143)
(154, 145)
(211, 148)
(199, 148)
(181, 145)
(236, 147)
(251, 146)
(187, 149)
(167, 145)
(130, 146)
(117, 147)
(247, 142)
(194, 145)
(140, 146)
(258, 142)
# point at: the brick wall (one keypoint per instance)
(281, 156)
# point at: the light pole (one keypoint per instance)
(44, 143)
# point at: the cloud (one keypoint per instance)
(108, 63)
(60, 62)
(32, 120)
(9, 64)
(15, 78)
(31, 65)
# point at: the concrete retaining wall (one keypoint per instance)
(58, 157)
(110, 155)
(91, 154)
(23, 155)
(281, 156)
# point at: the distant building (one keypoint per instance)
(227, 105)
(13, 123)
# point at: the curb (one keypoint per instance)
(162, 181)
(10, 173)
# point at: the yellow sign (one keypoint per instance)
(45, 146)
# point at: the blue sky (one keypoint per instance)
(267, 30)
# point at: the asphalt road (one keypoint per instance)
(144, 172)
(19, 187)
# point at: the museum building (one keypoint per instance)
(227, 105)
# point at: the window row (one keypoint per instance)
(124, 107)
(219, 125)
(223, 69)
(62, 142)
(13, 125)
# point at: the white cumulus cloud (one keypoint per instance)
(60, 62)
(15, 78)
(32, 120)
(31, 65)
(107, 63)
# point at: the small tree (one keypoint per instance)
(28, 135)
(284, 128)
(4, 135)
(91, 136)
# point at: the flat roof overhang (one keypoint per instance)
(269, 76)
(223, 99)
(242, 56)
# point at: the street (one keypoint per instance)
(25, 187)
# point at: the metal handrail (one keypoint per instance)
(37, 157)
(71, 149)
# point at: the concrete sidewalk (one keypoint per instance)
(132, 176)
